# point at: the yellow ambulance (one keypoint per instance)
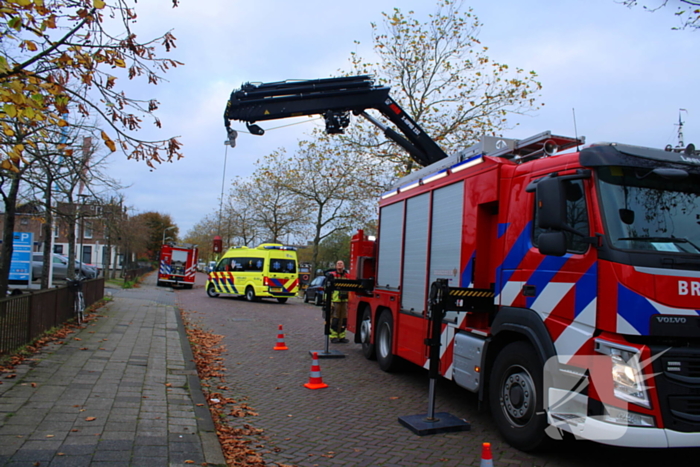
(269, 270)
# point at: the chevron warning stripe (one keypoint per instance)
(479, 293)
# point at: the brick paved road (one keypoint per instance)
(354, 420)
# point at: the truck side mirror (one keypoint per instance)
(551, 204)
(552, 243)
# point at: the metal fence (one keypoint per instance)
(25, 317)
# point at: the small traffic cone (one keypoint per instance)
(486, 457)
(315, 380)
(280, 341)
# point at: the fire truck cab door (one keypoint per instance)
(562, 290)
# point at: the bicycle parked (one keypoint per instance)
(79, 300)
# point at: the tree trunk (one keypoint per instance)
(8, 235)
(46, 232)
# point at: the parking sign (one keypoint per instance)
(21, 265)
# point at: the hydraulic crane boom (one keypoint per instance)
(333, 98)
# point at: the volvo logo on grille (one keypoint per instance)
(671, 319)
(674, 325)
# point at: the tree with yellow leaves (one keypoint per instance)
(64, 57)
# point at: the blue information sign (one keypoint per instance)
(21, 266)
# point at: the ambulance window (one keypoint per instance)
(288, 266)
(223, 263)
(249, 264)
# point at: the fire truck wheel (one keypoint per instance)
(282, 299)
(385, 330)
(211, 291)
(368, 349)
(250, 294)
(516, 395)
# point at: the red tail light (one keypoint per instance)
(266, 281)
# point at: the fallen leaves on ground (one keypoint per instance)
(235, 440)
(57, 336)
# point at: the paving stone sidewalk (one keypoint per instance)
(123, 390)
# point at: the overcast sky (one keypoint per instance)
(624, 71)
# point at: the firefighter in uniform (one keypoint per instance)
(339, 306)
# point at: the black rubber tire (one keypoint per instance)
(318, 300)
(211, 291)
(282, 299)
(516, 396)
(250, 294)
(383, 337)
(306, 298)
(369, 350)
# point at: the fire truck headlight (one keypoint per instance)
(627, 376)
(628, 381)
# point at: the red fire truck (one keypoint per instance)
(573, 273)
(178, 265)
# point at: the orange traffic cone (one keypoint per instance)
(315, 380)
(486, 457)
(280, 341)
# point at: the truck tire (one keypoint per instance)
(383, 338)
(516, 396)
(250, 294)
(368, 348)
(282, 299)
(211, 291)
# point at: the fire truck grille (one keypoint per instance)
(678, 386)
(683, 367)
(685, 408)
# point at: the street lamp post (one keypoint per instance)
(81, 219)
(166, 229)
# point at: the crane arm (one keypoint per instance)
(333, 98)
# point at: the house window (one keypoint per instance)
(87, 254)
(58, 249)
(87, 230)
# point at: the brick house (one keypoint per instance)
(91, 241)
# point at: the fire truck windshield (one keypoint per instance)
(645, 212)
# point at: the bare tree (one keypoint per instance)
(277, 212)
(440, 74)
(687, 11)
(336, 188)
